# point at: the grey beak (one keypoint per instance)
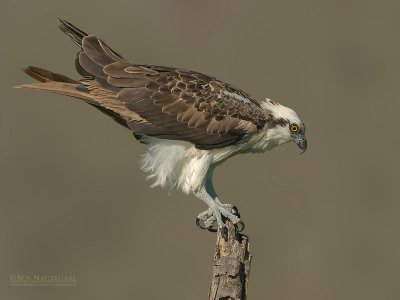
(302, 143)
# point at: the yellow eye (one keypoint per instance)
(294, 128)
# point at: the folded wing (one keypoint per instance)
(164, 102)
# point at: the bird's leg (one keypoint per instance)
(211, 191)
(227, 206)
(215, 210)
(212, 214)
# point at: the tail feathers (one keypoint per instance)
(43, 75)
(63, 88)
(54, 82)
(73, 32)
(60, 84)
(72, 90)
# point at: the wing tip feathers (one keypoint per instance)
(72, 31)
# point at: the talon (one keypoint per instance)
(200, 224)
(203, 225)
(240, 226)
(236, 211)
(212, 228)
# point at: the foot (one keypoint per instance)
(207, 219)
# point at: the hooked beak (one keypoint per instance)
(302, 143)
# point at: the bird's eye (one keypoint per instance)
(294, 128)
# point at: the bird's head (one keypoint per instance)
(284, 125)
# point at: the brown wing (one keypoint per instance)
(172, 103)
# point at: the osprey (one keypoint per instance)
(190, 122)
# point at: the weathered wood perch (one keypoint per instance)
(231, 268)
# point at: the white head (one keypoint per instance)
(284, 125)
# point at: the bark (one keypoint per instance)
(231, 268)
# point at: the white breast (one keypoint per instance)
(179, 165)
(175, 164)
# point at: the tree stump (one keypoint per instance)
(231, 268)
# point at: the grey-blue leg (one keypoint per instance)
(213, 214)
(215, 211)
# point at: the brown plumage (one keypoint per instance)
(156, 101)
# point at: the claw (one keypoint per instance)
(212, 229)
(240, 226)
(236, 211)
(203, 225)
(200, 224)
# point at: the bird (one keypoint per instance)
(190, 122)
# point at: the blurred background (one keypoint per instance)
(323, 225)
